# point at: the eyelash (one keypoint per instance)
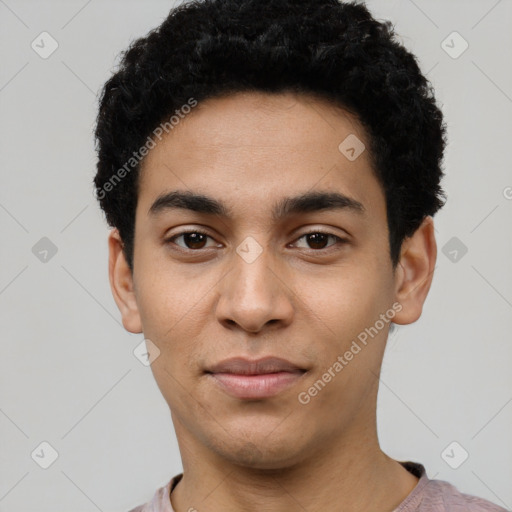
(339, 240)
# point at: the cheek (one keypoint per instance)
(175, 307)
(165, 295)
(167, 315)
(164, 309)
(345, 321)
(344, 302)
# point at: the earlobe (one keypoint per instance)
(415, 271)
(121, 284)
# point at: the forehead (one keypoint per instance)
(252, 149)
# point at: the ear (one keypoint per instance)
(121, 284)
(414, 272)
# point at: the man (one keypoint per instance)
(271, 169)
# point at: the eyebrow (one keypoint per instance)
(304, 203)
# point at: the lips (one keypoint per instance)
(242, 366)
(255, 380)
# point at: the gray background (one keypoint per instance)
(68, 375)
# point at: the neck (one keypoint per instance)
(350, 473)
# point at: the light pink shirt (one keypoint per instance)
(427, 496)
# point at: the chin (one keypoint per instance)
(259, 450)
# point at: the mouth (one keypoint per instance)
(255, 380)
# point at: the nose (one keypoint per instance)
(255, 294)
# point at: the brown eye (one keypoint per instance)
(192, 240)
(318, 240)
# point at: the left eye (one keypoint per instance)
(318, 239)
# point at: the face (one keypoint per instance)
(257, 236)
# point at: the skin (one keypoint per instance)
(299, 301)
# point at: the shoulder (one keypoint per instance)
(443, 496)
(161, 501)
(440, 496)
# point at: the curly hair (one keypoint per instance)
(331, 49)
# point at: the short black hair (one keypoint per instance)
(327, 48)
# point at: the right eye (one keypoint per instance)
(193, 240)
